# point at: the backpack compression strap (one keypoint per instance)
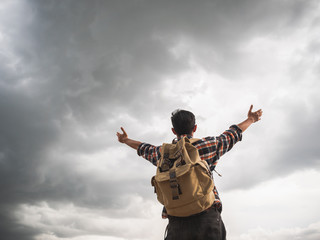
(174, 185)
(172, 174)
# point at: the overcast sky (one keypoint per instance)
(73, 72)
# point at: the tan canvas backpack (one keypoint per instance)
(183, 181)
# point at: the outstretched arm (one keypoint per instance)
(123, 138)
(252, 118)
(145, 150)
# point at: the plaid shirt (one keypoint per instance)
(210, 149)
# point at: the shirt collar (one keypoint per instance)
(184, 135)
(175, 140)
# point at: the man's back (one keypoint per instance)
(210, 150)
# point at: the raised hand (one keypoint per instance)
(255, 116)
(122, 137)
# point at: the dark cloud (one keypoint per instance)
(10, 229)
(26, 132)
(73, 70)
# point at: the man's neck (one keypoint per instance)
(185, 135)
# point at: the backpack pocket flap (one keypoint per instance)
(164, 176)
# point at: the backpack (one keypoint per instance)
(183, 182)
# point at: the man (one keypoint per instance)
(207, 224)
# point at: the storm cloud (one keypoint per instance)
(73, 72)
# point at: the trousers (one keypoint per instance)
(207, 225)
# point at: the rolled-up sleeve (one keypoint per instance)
(212, 148)
(227, 140)
(150, 152)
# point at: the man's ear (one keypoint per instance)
(195, 128)
(174, 132)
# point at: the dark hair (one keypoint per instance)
(183, 121)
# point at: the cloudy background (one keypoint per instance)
(73, 71)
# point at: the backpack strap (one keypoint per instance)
(174, 185)
(176, 191)
(165, 164)
(193, 140)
